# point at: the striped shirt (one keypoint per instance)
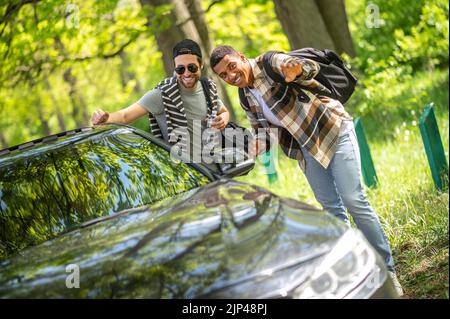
(178, 126)
(308, 121)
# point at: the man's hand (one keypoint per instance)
(99, 117)
(256, 147)
(291, 70)
(220, 122)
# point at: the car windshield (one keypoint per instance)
(54, 191)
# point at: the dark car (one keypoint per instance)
(106, 213)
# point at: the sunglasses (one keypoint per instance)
(193, 68)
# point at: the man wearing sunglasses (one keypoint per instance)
(178, 106)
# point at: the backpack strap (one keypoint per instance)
(267, 57)
(153, 123)
(243, 99)
(269, 71)
(206, 90)
(211, 96)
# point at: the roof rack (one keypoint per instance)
(43, 140)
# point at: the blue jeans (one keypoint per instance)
(339, 187)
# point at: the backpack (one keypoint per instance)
(333, 74)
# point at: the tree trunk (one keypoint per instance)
(198, 17)
(125, 74)
(79, 107)
(3, 142)
(60, 117)
(303, 24)
(335, 18)
(166, 38)
(42, 119)
(56, 107)
(37, 102)
(249, 45)
(186, 21)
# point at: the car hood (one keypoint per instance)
(207, 242)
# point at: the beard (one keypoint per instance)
(188, 82)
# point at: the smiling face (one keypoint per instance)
(188, 79)
(235, 70)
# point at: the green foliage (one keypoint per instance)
(249, 26)
(396, 105)
(407, 41)
(399, 32)
(40, 38)
(41, 42)
(373, 24)
(427, 43)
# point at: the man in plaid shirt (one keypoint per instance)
(315, 130)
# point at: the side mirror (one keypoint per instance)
(233, 162)
(240, 169)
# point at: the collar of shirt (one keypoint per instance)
(258, 84)
(258, 78)
(262, 84)
(258, 75)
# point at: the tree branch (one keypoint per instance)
(102, 55)
(213, 3)
(24, 71)
(14, 8)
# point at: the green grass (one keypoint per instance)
(413, 213)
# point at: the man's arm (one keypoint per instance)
(291, 68)
(222, 118)
(124, 116)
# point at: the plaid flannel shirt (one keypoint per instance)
(310, 122)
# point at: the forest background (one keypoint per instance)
(61, 60)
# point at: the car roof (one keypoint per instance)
(42, 140)
(48, 143)
(72, 136)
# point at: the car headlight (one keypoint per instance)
(351, 269)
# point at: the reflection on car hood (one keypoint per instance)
(194, 244)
